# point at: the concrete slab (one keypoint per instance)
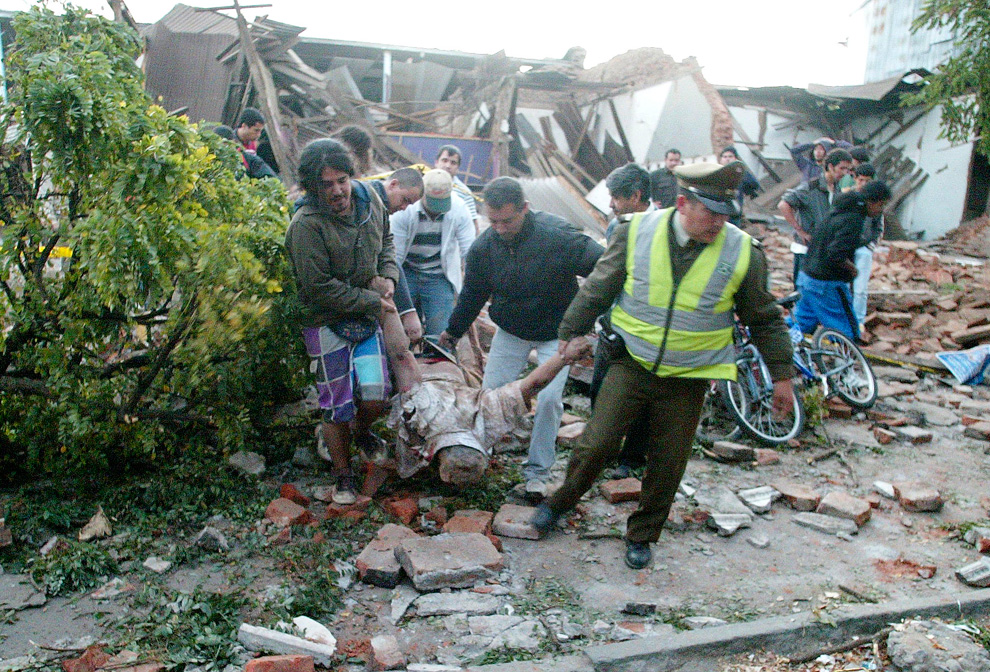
(790, 636)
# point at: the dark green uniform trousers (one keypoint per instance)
(672, 406)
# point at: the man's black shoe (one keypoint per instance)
(544, 519)
(620, 472)
(638, 555)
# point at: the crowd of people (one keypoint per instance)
(383, 264)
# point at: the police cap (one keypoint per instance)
(712, 184)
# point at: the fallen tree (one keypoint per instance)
(141, 279)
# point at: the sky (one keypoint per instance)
(737, 42)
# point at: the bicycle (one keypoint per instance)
(829, 359)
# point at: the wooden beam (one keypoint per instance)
(622, 132)
(756, 152)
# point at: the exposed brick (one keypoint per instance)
(915, 496)
(91, 659)
(346, 510)
(291, 492)
(622, 490)
(405, 509)
(285, 512)
(496, 542)
(838, 409)
(799, 497)
(968, 420)
(843, 505)
(295, 663)
(470, 521)
(883, 436)
(767, 456)
(874, 500)
(915, 435)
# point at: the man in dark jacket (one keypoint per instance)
(830, 265)
(527, 264)
(663, 184)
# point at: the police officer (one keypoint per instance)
(678, 275)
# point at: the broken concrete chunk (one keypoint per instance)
(377, 563)
(915, 435)
(759, 499)
(758, 540)
(979, 430)
(156, 564)
(571, 432)
(622, 490)
(255, 638)
(978, 537)
(883, 436)
(448, 560)
(885, 489)
(112, 589)
(314, 631)
(727, 524)
(976, 574)
(402, 598)
(767, 456)
(729, 451)
(639, 608)
(720, 500)
(211, 539)
(512, 521)
(465, 602)
(386, 654)
(52, 545)
(490, 626)
(527, 636)
(98, 527)
(826, 524)
(843, 505)
(247, 462)
(914, 496)
(17, 592)
(926, 645)
(799, 497)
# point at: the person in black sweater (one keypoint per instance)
(527, 263)
(830, 266)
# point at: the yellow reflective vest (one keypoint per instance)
(684, 328)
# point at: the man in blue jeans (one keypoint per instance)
(527, 263)
(830, 265)
(432, 237)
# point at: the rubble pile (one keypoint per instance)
(920, 302)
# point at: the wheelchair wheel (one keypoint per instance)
(750, 399)
(717, 422)
(848, 373)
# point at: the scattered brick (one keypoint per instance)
(622, 490)
(571, 432)
(496, 541)
(94, 657)
(449, 560)
(291, 492)
(883, 436)
(838, 409)
(294, 663)
(334, 511)
(729, 451)
(767, 456)
(843, 505)
(512, 521)
(968, 420)
(914, 496)
(284, 512)
(799, 497)
(470, 521)
(978, 430)
(979, 537)
(437, 515)
(915, 435)
(404, 509)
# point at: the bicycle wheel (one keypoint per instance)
(717, 423)
(848, 373)
(750, 399)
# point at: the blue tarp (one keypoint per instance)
(969, 367)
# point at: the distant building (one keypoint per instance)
(892, 49)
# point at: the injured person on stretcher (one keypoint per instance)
(441, 418)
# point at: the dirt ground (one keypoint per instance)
(695, 572)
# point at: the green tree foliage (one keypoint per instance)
(961, 85)
(142, 281)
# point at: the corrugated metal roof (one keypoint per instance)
(186, 19)
(870, 91)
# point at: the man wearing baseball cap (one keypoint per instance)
(432, 237)
(676, 277)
